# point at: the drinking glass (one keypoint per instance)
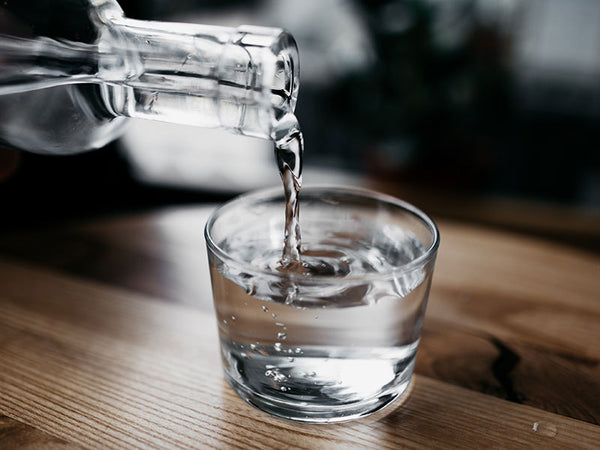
(335, 338)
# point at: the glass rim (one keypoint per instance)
(375, 196)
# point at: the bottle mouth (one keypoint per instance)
(258, 79)
(273, 53)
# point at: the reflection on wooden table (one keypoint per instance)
(108, 340)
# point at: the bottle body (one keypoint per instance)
(71, 88)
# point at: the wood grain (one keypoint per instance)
(103, 367)
(17, 435)
(570, 224)
(509, 316)
(545, 295)
(160, 254)
(511, 370)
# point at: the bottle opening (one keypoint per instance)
(258, 79)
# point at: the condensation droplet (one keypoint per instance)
(282, 336)
(284, 388)
(225, 321)
(244, 355)
(265, 309)
(274, 316)
(250, 289)
(233, 318)
(545, 429)
(290, 359)
(297, 350)
(316, 317)
(277, 346)
(253, 346)
(279, 324)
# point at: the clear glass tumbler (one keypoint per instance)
(338, 340)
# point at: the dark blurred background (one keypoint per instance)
(479, 110)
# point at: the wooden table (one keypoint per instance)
(107, 340)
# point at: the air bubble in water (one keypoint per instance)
(279, 377)
(291, 295)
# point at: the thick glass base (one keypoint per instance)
(315, 413)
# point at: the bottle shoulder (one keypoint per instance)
(59, 120)
(65, 20)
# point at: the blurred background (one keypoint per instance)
(477, 110)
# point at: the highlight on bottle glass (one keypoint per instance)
(336, 339)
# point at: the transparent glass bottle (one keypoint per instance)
(73, 71)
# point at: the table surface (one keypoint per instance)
(107, 339)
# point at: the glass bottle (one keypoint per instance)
(73, 71)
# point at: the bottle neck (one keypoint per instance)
(39, 63)
(237, 78)
(38, 51)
